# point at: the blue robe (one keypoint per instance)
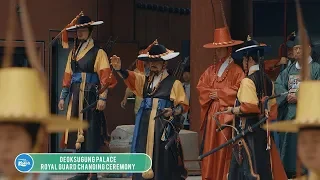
(169, 93)
(288, 80)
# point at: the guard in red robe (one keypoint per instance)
(218, 87)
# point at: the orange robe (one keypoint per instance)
(216, 166)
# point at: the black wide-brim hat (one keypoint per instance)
(294, 41)
(248, 46)
(84, 21)
(290, 40)
(158, 52)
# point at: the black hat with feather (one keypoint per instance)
(157, 52)
(84, 21)
(249, 46)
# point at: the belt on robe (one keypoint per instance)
(146, 103)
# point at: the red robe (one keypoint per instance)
(216, 166)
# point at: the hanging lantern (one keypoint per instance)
(171, 9)
(187, 11)
(139, 5)
(161, 8)
(165, 8)
(149, 6)
(154, 7)
(143, 6)
(182, 11)
(177, 10)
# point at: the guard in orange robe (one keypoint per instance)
(218, 87)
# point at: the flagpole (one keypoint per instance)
(54, 39)
(60, 33)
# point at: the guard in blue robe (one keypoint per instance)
(161, 92)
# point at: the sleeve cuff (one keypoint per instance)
(64, 93)
(179, 107)
(236, 110)
(103, 99)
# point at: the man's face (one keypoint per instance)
(297, 51)
(157, 66)
(309, 148)
(83, 33)
(14, 139)
(186, 76)
(221, 52)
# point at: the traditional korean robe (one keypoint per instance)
(250, 159)
(139, 69)
(225, 78)
(168, 93)
(289, 80)
(83, 78)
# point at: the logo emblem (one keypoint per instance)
(23, 163)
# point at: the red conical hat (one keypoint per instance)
(222, 38)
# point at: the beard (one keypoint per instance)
(154, 72)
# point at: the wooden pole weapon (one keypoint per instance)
(304, 41)
(304, 61)
(64, 29)
(7, 60)
(245, 132)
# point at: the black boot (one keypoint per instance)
(79, 177)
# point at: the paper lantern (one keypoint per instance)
(149, 6)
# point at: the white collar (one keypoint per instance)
(253, 69)
(157, 78)
(298, 65)
(224, 66)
